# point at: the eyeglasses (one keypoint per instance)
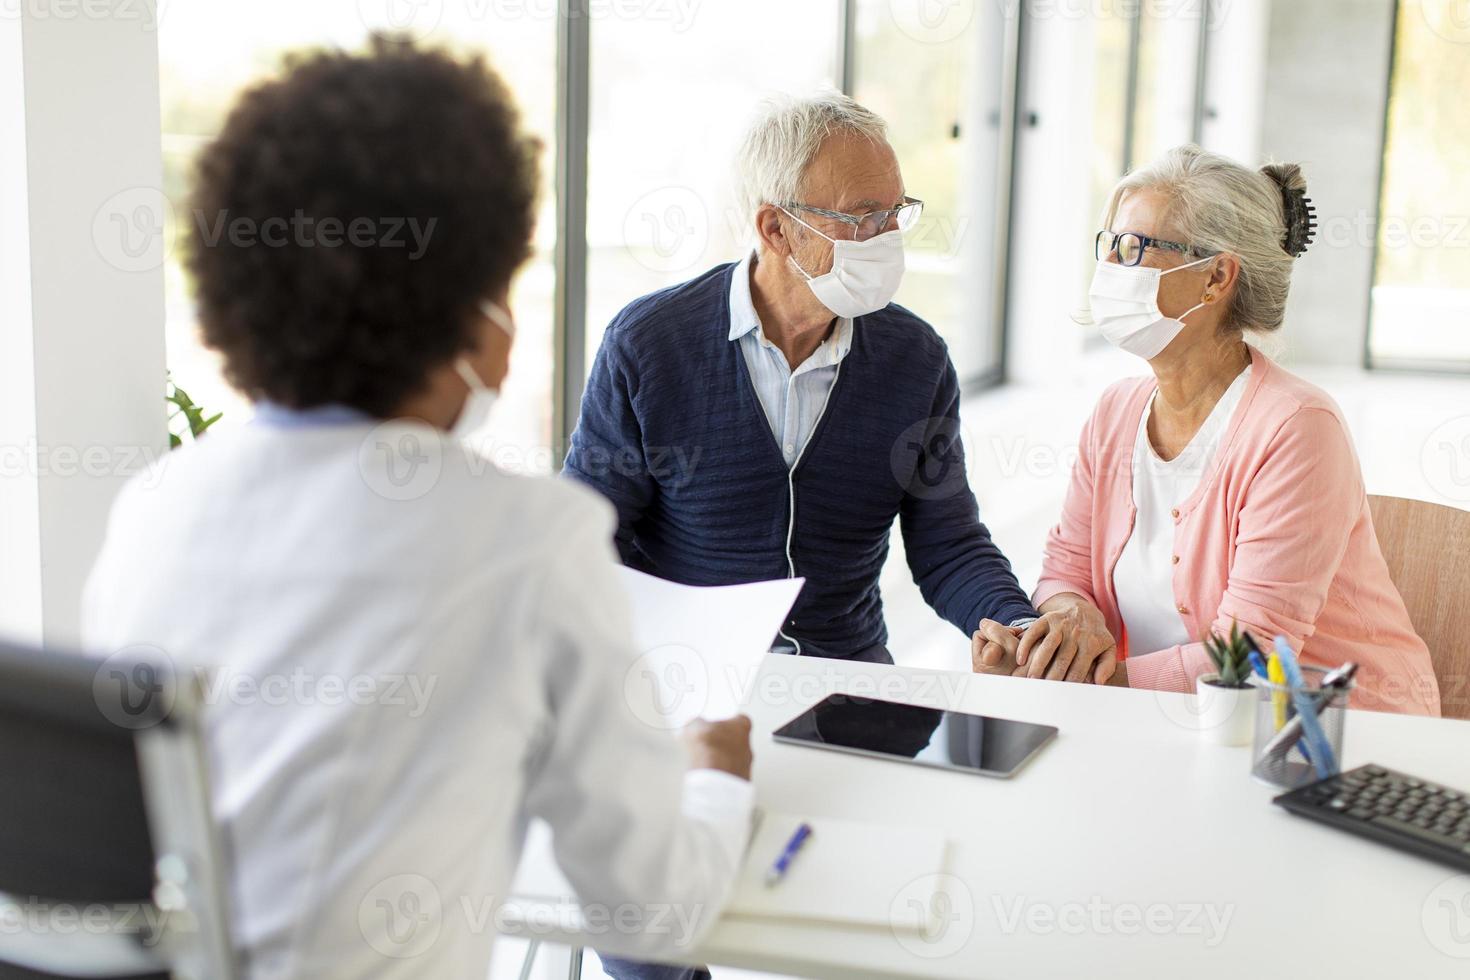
(1130, 245)
(865, 226)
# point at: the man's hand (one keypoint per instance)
(722, 745)
(1069, 642)
(1109, 671)
(993, 649)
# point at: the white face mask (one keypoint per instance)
(1125, 306)
(864, 275)
(480, 401)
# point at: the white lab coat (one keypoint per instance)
(398, 686)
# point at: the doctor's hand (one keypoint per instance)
(722, 745)
(1069, 642)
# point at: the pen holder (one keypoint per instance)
(1275, 709)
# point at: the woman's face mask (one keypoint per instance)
(865, 275)
(480, 401)
(1125, 306)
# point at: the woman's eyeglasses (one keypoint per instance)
(1130, 245)
(866, 226)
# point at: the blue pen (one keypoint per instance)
(1321, 756)
(788, 853)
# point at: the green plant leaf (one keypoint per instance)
(1212, 647)
(192, 412)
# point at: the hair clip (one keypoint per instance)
(1301, 221)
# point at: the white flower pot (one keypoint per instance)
(1227, 715)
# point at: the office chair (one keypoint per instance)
(109, 862)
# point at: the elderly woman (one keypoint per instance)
(1222, 489)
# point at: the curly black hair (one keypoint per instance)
(351, 216)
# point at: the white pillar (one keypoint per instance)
(81, 283)
(1235, 78)
(1053, 223)
(1326, 92)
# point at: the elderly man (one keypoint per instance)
(812, 411)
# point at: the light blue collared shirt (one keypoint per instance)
(280, 417)
(792, 400)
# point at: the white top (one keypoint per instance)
(793, 400)
(414, 654)
(1143, 579)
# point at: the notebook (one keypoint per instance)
(847, 873)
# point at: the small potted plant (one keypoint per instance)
(1226, 699)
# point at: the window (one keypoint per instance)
(1112, 41)
(670, 101)
(672, 89)
(1145, 75)
(209, 51)
(1112, 46)
(935, 76)
(1421, 281)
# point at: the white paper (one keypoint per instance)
(846, 872)
(699, 651)
(700, 647)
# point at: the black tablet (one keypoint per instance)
(908, 733)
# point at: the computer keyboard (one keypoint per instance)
(1391, 808)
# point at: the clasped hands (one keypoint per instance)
(1068, 643)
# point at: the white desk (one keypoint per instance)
(1128, 848)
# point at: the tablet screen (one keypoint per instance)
(907, 733)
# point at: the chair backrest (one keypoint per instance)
(109, 857)
(1427, 547)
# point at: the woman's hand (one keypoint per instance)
(1069, 642)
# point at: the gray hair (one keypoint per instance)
(785, 138)
(1218, 205)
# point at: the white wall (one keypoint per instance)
(82, 349)
(1326, 90)
(20, 547)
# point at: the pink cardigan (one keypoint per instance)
(1277, 536)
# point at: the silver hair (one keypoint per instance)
(1218, 205)
(785, 138)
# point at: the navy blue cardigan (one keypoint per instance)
(673, 434)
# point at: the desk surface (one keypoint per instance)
(1129, 847)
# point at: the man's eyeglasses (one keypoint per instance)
(866, 226)
(1130, 245)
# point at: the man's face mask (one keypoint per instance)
(865, 275)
